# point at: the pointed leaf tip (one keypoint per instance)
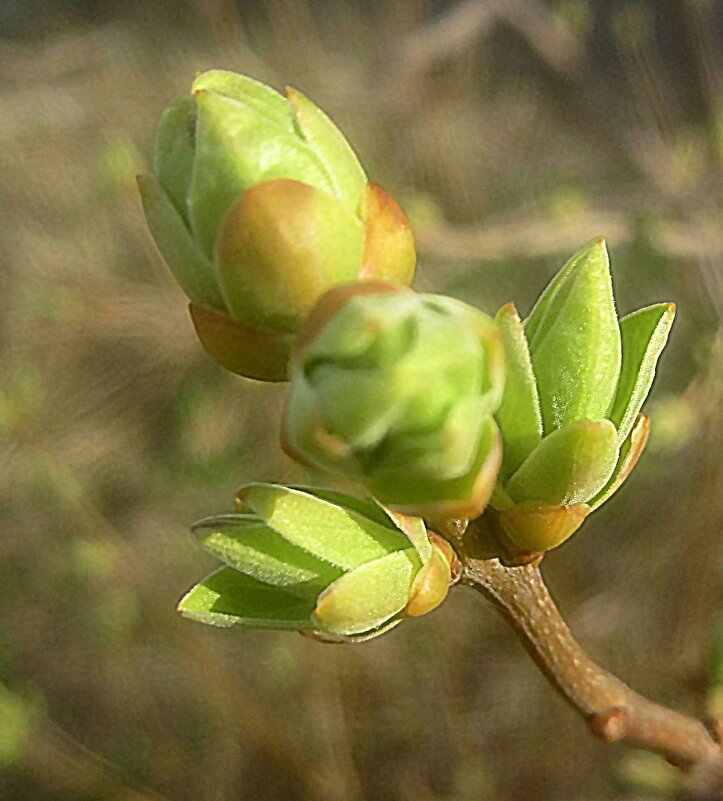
(229, 598)
(343, 168)
(575, 340)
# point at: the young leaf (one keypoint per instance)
(644, 334)
(327, 141)
(519, 416)
(575, 341)
(569, 466)
(543, 303)
(237, 148)
(413, 527)
(264, 100)
(173, 152)
(229, 598)
(190, 267)
(363, 506)
(339, 536)
(251, 547)
(367, 596)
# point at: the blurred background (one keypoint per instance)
(512, 131)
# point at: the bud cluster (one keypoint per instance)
(297, 268)
(316, 561)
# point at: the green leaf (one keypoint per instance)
(366, 507)
(413, 527)
(264, 100)
(237, 148)
(369, 595)
(519, 416)
(644, 334)
(569, 466)
(173, 152)
(575, 341)
(327, 141)
(193, 271)
(337, 535)
(246, 544)
(229, 598)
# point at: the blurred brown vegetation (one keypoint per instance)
(512, 132)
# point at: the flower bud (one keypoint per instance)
(396, 391)
(316, 561)
(570, 413)
(259, 205)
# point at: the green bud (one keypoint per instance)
(259, 205)
(317, 561)
(396, 391)
(570, 414)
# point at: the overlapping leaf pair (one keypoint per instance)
(570, 413)
(317, 561)
(258, 206)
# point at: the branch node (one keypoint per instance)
(610, 725)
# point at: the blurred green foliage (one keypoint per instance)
(515, 132)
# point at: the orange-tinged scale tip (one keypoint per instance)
(389, 250)
(638, 440)
(240, 348)
(285, 442)
(534, 526)
(509, 309)
(430, 585)
(445, 548)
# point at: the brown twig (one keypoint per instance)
(612, 710)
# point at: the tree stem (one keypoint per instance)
(612, 710)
